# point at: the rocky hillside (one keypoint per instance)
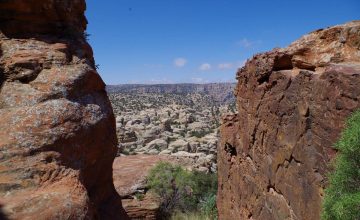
(180, 124)
(57, 128)
(292, 103)
(152, 126)
(219, 92)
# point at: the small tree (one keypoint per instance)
(208, 206)
(181, 190)
(342, 197)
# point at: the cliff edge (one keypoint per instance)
(292, 104)
(57, 128)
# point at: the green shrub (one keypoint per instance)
(199, 134)
(139, 196)
(189, 216)
(208, 206)
(342, 197)
(181, 191)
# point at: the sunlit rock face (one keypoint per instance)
(57, 129)
(292, 103)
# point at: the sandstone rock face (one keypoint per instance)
(57, 129)
(292, 103)
(130, 174)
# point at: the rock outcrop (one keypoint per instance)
(292, 103)
(130, 174)
(57, 129)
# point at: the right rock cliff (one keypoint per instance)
(274, 154)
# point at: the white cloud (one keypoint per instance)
(199, 80)
(248, 43)
(223, 66)
(180, 62)
(159, 81)
(205, 66)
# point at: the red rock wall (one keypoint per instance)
(57, 129)
(292, 103)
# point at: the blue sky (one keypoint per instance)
(172, 41)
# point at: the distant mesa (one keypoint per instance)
(221, 92)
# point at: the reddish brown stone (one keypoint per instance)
(130, 177)
(57, 129)
(292, 103)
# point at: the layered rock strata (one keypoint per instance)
(57, 128)
(292, 103)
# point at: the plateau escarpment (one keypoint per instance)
(274, 154)
(57, 129)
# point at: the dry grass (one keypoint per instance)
(189, 216)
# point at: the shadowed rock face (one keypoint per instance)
(42, 17)
(57, 129)
(292, 103)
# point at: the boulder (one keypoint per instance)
(151, 133)
(179, 145)
(127, 136)
(166, 125)
(146, 120)
(153, 151)
(187, 154)
(167, 151)
(158, 144)
(185, 117)
(130, 181)
(194, 146)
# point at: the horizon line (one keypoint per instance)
(186, 83)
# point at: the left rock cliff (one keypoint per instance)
(57, 128)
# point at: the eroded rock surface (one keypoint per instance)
(292, 103)
(57, 130)
(130, 182)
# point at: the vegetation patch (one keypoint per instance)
(342, 197)
(183, 193)
(200, 134)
